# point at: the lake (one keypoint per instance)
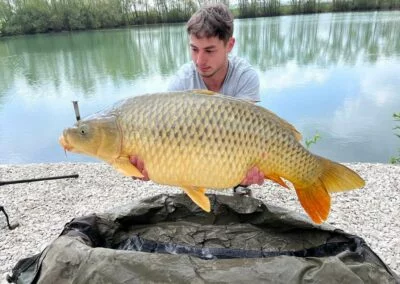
(337, 75)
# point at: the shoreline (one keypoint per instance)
(43, 208)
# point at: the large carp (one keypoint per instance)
(198, 139)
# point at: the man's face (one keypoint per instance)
(210, 55)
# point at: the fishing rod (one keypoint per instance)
(37, 179)
(12, 227)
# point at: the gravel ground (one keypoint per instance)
(42, 208)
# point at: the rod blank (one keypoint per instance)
(37, 179)
(76, 108)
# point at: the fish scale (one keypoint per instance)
(199, 139)
(210, 160)
(223, 151)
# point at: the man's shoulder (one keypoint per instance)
(185, 78)
(186, 71)
(240, 69)
(239, 63)
(242, 80)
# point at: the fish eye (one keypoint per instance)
(83, 129)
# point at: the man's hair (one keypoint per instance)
(214, 20)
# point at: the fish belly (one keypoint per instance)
(196, 168)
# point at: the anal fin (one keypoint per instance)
(198, 196)
(277, 179)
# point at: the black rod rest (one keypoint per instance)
(11, 227)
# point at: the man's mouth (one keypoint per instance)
(204, 69)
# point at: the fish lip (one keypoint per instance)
(64, 143)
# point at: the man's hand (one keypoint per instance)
(139, 164)
(253, 176)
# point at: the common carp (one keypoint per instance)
(199, 139)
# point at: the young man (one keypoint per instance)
(211, 40)
(210, 32)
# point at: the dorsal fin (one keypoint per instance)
(204, 92)
(295, 132)
(291, 128)
(283, 123)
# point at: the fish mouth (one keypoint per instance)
(64, 143)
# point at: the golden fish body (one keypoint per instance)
(196, 140)
(203, 141)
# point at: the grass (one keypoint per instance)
(396, 159)
(313, 140)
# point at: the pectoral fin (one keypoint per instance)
(124, 166)
(198, 196)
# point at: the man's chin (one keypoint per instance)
(206, 74)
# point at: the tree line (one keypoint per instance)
(42, 16)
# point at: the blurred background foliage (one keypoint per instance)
(42, 16)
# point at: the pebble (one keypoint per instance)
(43, 208)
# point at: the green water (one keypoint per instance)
(335, 74)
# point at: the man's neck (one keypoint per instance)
(215, 82)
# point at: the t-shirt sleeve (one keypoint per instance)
(249, 86)
(175, 84)
(182, 80)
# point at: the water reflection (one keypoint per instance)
(86, 58)
(336, 74)
(332, 73)
(325, 39)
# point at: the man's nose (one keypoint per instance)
(201, 58)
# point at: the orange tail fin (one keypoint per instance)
(316, 201)
(335, 177)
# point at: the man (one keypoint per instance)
(211, 40)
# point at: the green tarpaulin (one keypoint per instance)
(169, 239)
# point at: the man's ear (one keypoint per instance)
(230, 44)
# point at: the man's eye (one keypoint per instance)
(210, 51)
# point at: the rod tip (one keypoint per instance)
(76, 108)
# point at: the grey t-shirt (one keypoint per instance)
(241, 81)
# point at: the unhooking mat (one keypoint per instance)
(168, 239)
